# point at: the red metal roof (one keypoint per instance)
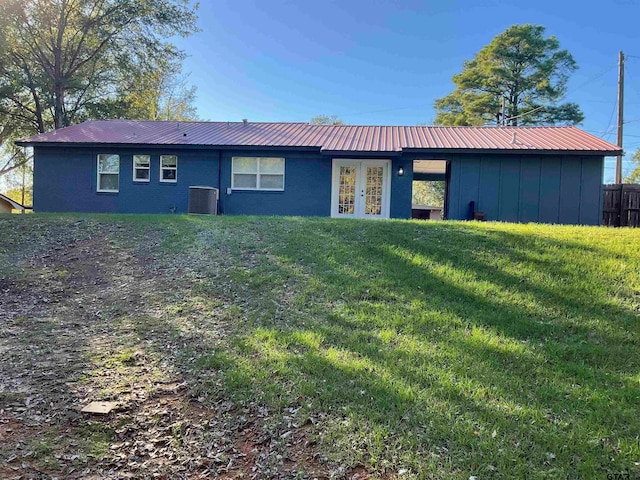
(330, 138)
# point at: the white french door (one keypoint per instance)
(360, 188)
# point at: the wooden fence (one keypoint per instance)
(621, 207)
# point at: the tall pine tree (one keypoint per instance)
(521, 68)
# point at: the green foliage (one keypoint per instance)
(326, 120)
(524, 68)
(65, 61)
(428, 193)
(15, 194)
(19, 182)
(634, 174)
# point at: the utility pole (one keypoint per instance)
(620, 114)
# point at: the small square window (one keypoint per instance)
(168, 168)
(141, 168)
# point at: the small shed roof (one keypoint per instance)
(14, 205)
(327, 138)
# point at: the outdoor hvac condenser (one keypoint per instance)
(203, 200)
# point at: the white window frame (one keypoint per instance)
(162, 169)
(258, 175)
(104, 190)
(135, 168)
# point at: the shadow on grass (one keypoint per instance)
(450, 348)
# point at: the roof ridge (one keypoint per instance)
(184, 121)
(474, 127)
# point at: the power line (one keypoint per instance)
(567, 95)
(526, 113)
(606, 70)
(608, 133)
(631, 84)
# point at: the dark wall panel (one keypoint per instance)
(401, 188)
(509, 189)
(591, 191)
(570, 183)
(453, 200)
(489, 195)
(529, 189)
(470, 182)
(550, 170)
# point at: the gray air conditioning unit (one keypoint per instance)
(203, 200)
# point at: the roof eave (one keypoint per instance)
(165, 146)
(514, 151)
(370, 153)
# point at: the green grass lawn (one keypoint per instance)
(440, 349)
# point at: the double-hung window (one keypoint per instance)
(141, 168)
(168, 168)
(108, 173)
(257, 173)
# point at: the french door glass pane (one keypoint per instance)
(347, 190)
(373, 191)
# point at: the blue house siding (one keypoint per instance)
(591, 193)
(529, 210)
(61, 179)
(527, 188)
(509, 191)
(307, 189)
(65, 180)
(401, 188)
(507, 187)
(550, 175)
(489, 198)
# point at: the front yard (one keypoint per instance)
(244, 347)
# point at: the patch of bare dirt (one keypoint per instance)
(89, 321)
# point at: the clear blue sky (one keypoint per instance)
(384, 62)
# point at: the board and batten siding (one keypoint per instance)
(527, 188)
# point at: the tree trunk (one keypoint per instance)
(59, 119)
(58, 104)
(36, 100)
